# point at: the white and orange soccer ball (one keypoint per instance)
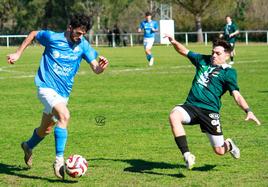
(76, 166)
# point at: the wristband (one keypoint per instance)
(247, 110)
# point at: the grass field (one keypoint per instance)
(135, 147)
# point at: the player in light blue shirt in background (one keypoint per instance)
(55, 77)
(150, 27)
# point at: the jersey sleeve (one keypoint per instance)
(195, 58)
(43, 37)
(235, 27)
(155, 25)
(141, 25)
(231, 80)
(89, 54)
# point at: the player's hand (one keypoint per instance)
(103, 62)
(251, 116)
(11, 58)
(170, 38)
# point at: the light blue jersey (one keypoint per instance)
(61, 61)
(147, 27)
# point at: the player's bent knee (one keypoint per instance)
(174, 115)
(44, 132)
(219, 150)
(64, 118)
(148, 51)
(48, 131)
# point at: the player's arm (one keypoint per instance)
(99, 66)
(155, 28)
(239, 99)
(234, 34)
(11, 58)
(177, 45)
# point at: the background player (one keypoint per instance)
(150, 27)
(230, 32)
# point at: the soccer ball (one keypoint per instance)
(76, 166)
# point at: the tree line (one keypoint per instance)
(22, 16)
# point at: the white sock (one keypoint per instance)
(60, 158)
(186, 154)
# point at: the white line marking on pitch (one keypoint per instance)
(147, 70)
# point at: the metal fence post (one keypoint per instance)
(113, 40)
(131, 39)
(206, 38)
(267, 37)
(97, 40)
(246, 37)
(7, 41)
(186, 39)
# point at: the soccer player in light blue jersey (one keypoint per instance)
(54, 80)
(150, 27)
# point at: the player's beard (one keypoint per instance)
(73, 38)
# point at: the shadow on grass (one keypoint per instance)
(13, 170)
(206, 167)
(143, 166)
(263, 91)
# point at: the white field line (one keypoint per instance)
(144, 70)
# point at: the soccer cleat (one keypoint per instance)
(151, 62)
(27, 154)
(231, 63)
(59, 168)
(235, 152)
(190, 161)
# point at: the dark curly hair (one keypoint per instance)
(81, 20)
(220, 42)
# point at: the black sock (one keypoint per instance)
(232, 58)
(230, 146)
(182, 144)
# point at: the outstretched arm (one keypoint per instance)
(100, 66)
(177, 45)
(239, 99)
(11, 58)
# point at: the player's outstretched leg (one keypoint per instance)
(27, 154)
(177, 116)
(234, 150)
(28, 147)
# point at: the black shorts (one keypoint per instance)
(209, 121)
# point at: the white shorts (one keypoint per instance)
(49, 98)
(148, 43)
(215, 140)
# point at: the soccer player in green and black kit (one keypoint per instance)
(212, 79)
(230, 32)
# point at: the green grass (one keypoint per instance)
(135, 147)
